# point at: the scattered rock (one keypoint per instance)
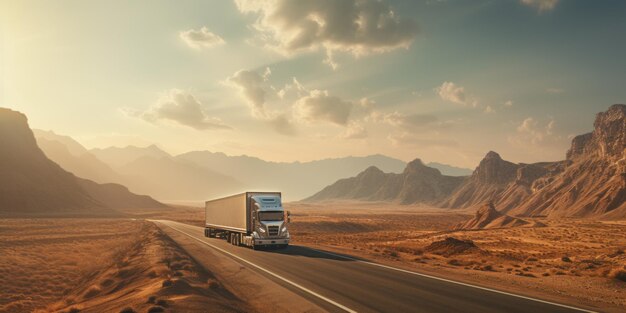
(451, 246)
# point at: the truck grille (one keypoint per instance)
(272, 230)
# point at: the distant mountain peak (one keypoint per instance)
(492, 155)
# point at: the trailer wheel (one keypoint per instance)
(210, 233)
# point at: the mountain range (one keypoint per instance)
(33, 185)
(201, 175)
(590, 182)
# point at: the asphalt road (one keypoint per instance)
(342, 284)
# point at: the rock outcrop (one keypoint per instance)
(418, 183)
(31, 184)
(487, 217)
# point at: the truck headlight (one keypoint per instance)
(262, 230)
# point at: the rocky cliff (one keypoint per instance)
(593, 180)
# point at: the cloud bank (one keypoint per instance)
(181, 107)
(359, 27)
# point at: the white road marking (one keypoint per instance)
(343, 307)
(452, 281)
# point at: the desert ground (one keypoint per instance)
(102, 265)
(569, 261)
(129, 265)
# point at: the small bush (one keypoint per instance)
(162, 303)
(156, 309)
(73, 310)
(92, 292)
(127, 310)
(151, 299)
(167, 283)
(619, 274)
(454, 262)
(566, 259)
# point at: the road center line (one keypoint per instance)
(266, 271)
(452, 281)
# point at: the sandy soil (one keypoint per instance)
(97, 265)
(42, 258)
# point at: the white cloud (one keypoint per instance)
(359, 27)
(449, 91)
(318, 105)
(489, 109)
(531, 131)
(541, 5)
(201, 38)
(355, 131)
(178, 106)
(253, 87)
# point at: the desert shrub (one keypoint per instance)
(532, 259)
(545, 274)
(156, 309)
(127, 310)
(151, 299)
(619, 274)
(391, 253)
(213, 284)
(488, 268)
(73, 310)
(454, 262)
(167, 283)
(91, 292)
(566, 259)
(162, 303)
(107, 282)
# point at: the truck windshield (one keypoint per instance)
(271, 216)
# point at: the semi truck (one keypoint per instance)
(253, 219)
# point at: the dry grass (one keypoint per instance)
(43, 258)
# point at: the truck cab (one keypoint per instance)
(269, 221)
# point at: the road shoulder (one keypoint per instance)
(258, 291)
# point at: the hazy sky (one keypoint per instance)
(444, 81)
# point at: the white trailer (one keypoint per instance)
(254, 219)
